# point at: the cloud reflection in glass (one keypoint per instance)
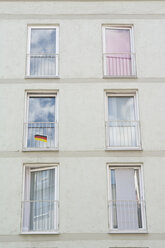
(43, 52)
(41, 121)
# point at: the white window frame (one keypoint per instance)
(56, 27)
(138, 166)
(26, 183)
(44, 93)
(116, 93)
(118, 26)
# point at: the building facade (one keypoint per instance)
(82, 145)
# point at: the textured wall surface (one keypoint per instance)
(81, 89)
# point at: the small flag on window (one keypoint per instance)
(40, 137)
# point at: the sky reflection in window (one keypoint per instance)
(43, 41)
(43, 52)
(41, 109)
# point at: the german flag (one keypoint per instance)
(40, 137)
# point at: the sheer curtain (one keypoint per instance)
(122, 124)
(126, 212)
(42, 196)
(118, 49)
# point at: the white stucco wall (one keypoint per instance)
(81, 89)
(81, 43)
(82, 113)
(81, 34)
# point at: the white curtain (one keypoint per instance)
(126, 200)
(122, 124)
(42, 196)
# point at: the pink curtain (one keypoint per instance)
(118, 52)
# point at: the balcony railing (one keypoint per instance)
(41, 135)
(40, 216)
(42, 65)
(123, 134)
(127, 215)
(119, 65)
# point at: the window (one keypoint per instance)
(119, 56)
(40, 204)
(42, 54)
(41, 126)
(122, 125)
(126, 199)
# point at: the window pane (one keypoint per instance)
(123, 127)
(118, 41)
(126, 209)
(119, 58)
(113, 188)
(42, 185)
(43, 41)
(138, 196)
(43, 52)
(42, 196)
(41, 122)
(40, 208)
(41, 109)
(125, 185)
(121, 108)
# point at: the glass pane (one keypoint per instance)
(121, 108)
(41, 109)
(41, 122)
(114, 208)
(42, 196)
(118, 52)
(43, 41)
(118, 41)
(43, 52)
(126, 201)
(138, 194)
(122, 123)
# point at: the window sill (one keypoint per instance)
(123, 149)
(42, 77)
(120, 77)
(127, 231)
(37, 233)
(40, 149)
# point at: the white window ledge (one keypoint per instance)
(33, 233)
(40, 149)
(42, 77)
(120, 77)
(123, 149)
(128, 231)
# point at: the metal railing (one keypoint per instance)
(42, 65)
(40, 216)
(127, 215)
(119, 64)
(123, 134)
(47, 129)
